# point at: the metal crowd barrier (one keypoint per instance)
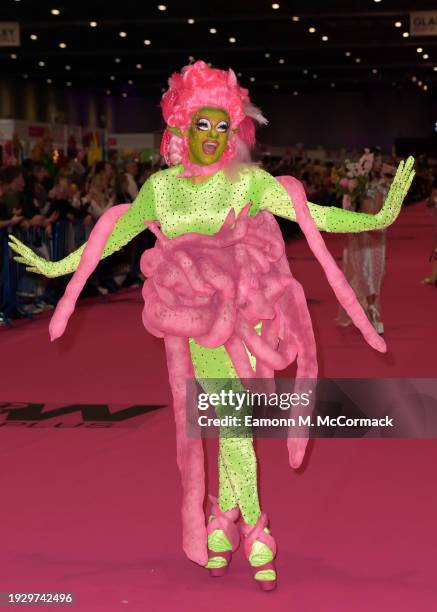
(8, 280)
(20, 290)
(13, 276)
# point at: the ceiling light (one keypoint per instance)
(62, 45)
(67, 67)
(325, 38)
(122, 34)
(69, 83)
(295, 18)
(425, 88)
(33, 37)
(311, 30)
(212, 31)
(419, 83)
(414, 79)
(375, 71)
(332, 84)
(191, 21)
(147, 41)
(117, 60)
(162, 7)
(425, 56)
(124, 94)
(108, 92)
(282, 61)
(276, 86)
(232, 40)
(275, 6)
(398, 24)
(112, 77)
(239, 74)
(13, 56)
(377, 1)
(41, 63)
(406, 34)
(295, 93)
(139, 66)
(55, 12)
(315, 76)
(267, 55)
(305, 71)
(419, 50)
(357, 60)
(252, 79)
(348, 54)
(130, 82)
(49, 81)
(93, 24)
(435, 68)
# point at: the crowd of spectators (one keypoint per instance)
(317, 173)
(53, 213)
(54, 209)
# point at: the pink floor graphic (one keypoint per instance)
(95, 510)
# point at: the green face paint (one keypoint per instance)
(208, 135)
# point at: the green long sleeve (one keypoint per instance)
(274, 198)
(128, 226)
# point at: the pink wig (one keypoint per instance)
(197, 86)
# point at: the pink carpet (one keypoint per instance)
(95, 511)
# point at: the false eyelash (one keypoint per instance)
(204, 123)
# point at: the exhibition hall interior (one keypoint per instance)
(224, 201)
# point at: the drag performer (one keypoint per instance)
(219, 290)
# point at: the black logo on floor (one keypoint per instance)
(24, 414)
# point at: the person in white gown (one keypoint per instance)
(364, 254)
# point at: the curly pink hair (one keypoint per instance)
(197, 86)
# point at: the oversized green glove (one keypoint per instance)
(347, 221)
(39, 265)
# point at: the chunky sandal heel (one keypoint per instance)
(223, 538)
(216, 572)
(259, 537)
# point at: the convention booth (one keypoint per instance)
(24, 136)
(143, 146)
